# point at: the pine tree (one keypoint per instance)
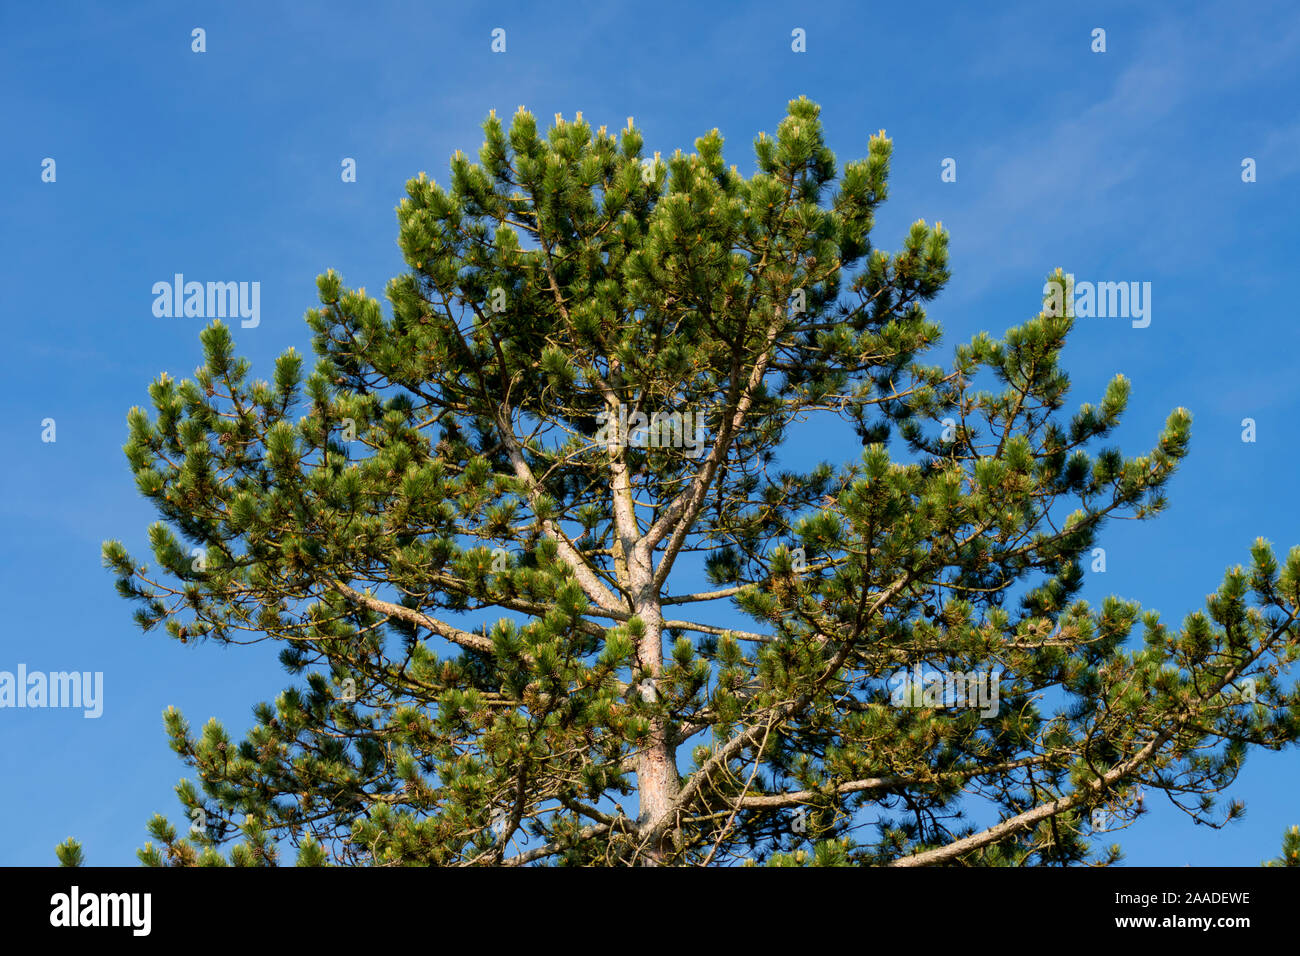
(70, 853)
(508, 532)
(1290, 855)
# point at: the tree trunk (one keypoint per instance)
(656, 765)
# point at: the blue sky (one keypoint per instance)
(1117, 166)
